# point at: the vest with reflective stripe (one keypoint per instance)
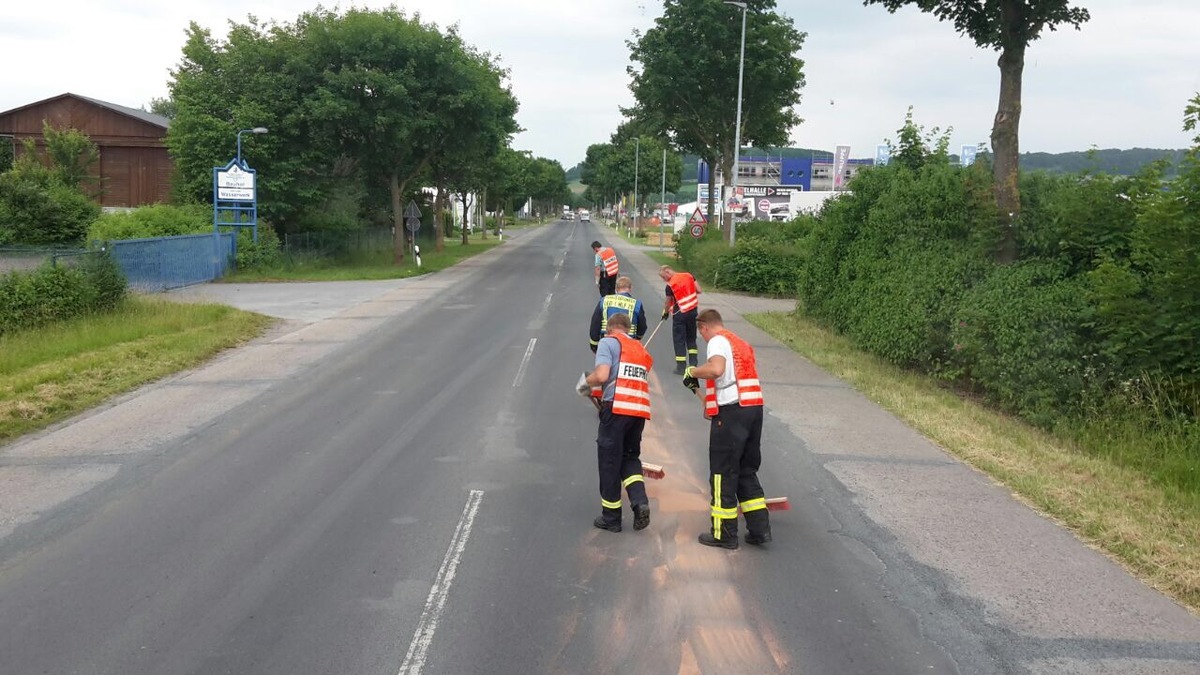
(608, 258)
(683, 287)
(613, 304)
(632, 395)
(745, 376)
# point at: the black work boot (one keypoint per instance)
(641, 516)
(708, 540)
(759, 538)
(605, 524)
(680, 366)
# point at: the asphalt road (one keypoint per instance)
(419, 499)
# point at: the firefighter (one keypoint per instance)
(623, 369)
(606, 267)
(682, 300)
(733, 402)
(623, 302)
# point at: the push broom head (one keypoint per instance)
(654, 471)
(778, 504)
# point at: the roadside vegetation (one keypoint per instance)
(52, 372)
(1071, 375)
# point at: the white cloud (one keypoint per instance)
(1122, 81)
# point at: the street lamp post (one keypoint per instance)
(255, 130)
(737, 132)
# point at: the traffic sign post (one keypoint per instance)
(412, 223)
(235, 205)
(697, 230)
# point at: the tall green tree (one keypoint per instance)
(684, 75)
(1007, 26)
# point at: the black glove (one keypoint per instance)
(689, 380)
(666, 313)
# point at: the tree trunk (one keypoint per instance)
(466, 210)
(439, 204)
(1006, 149)
(398, 230)
(483, 215)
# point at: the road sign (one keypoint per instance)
(412, 210)
(412, 224)
(235, 184)
(698, 230)
(697, 218)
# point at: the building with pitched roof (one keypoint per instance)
(134, 167)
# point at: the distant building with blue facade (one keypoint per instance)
(806, 174)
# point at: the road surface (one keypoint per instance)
(405, 483)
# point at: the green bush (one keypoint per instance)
(37, 210)
(157, 220)
(1021, 337)
(54, 293)
(761, 267)
(264, 254)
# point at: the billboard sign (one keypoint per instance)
(841, 156)
(967, 157)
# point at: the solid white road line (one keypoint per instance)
(525, 361)
(414, 661)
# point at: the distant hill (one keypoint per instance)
(1111, 161)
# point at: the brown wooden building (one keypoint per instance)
(134, 167)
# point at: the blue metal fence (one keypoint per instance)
(160, 263)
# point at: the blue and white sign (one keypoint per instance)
(967, 156)
(883, 155)
(235, 184)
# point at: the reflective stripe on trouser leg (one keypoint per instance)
(693, 357)
(722, 518)
(610, 505)
(751, 505)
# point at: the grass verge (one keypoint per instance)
(372, 266)
(1151, 528)
(52, 373)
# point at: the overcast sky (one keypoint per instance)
(1121, 82)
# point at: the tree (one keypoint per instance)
(685, 78)
(1007, 26)
(72, 155)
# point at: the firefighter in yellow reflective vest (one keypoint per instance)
(623, 369)
(621, 302)
(682, 301)
(607, 268)
(733, 402)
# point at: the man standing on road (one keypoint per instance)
(682, 300)
(733, 402)
(621, 302)
(623, 368)
(606, 268)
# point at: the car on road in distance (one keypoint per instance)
(585, 217)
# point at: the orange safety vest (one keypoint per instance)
(683, 287)
(608, 258)
(632, 395)
(745, 376)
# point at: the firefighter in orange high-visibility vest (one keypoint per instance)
(623, 370)
(682, 302)
(607, 267)
(733, 403)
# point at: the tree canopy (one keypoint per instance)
(362, 103)
(1007, 26)
(684, 75)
